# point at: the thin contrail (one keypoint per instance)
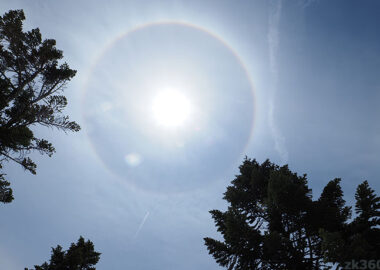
(142, 224)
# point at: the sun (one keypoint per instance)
(171, 109)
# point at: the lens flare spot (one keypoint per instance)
(133, 159)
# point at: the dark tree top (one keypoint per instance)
(32, 80)
(80, 256)
(272, 222)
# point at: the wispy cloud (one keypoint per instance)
(273, 43)
(273, 35)
(142, 224)
(306, 3)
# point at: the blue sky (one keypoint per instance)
(141, 192)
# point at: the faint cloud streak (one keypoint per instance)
(273, 36)
(273, 43)
(306, 3)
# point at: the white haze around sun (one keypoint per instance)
(171, 108)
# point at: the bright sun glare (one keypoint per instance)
(171, 109)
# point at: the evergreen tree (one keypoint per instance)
(80, 256)
(6, 193)
(31, 85)
(272, 222)
(359, 239)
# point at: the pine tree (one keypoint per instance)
(273, 223)
(6, 193)
(31, 85)
(359, 239)
(80, 256)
